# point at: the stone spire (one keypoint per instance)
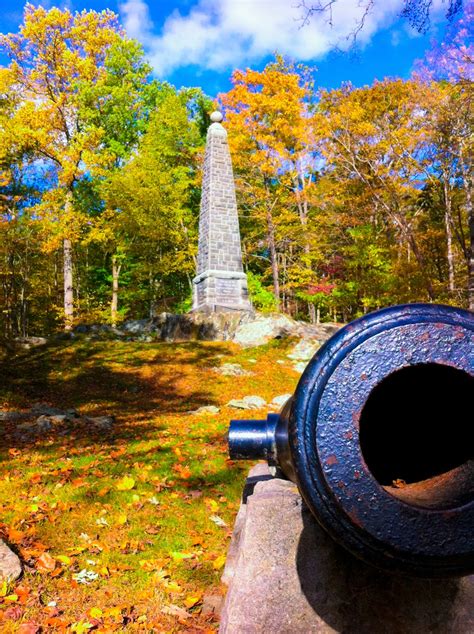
(220, 283)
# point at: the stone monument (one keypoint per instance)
(220, 283)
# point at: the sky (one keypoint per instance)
(200, 42)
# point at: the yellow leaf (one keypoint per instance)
(3, 589)
(212, 504)
(104, 571)
(218, 562)
(11, 598)
(173, 587)
(179, 556)
(95, 613)
(126, 483)
(122, 519)
(191, 600)
(64, 559)
(81, 626)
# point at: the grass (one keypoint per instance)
(139, 506)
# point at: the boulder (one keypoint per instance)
(40, 409)
(26, 343)
(278, 402)
(304, 350)
(300, 367)
(264, 328)
(12, 416)
(206, 409)
(245, 328)
(103, 423)
(248, 402)
(137, 326)
(232, 369)
(10, 565)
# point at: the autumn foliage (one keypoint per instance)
(350, 199)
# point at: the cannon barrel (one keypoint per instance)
(379, 439)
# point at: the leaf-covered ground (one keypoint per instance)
(128, 529)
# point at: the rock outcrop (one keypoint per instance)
(246, 329)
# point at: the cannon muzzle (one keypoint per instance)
(379, 438)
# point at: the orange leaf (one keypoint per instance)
(45, 563)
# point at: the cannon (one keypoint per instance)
(378, 437)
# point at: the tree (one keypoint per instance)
(60, 63)
(375, 138)
(448, 68)
(153, 202)
(268, 118)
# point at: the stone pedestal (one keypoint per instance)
(286, 576)
(220, 282)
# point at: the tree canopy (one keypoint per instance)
(350, 199)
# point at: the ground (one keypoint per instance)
(147, 509)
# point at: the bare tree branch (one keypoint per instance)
(416, 12)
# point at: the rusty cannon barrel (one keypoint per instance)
(379, 439)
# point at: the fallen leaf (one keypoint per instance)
(172, 586)
(192, 599)
(64, 559)
(179, 556)
(175, 610)
(125, 484)
(218, 520)
(218, 563)
(28, 628)
(95, 613)
(45, 563)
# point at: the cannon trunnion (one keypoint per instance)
(379, 438)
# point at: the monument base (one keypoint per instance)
(221, 291)
(287, 576)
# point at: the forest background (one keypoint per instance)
(350, 199)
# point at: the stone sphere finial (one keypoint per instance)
(216, 116)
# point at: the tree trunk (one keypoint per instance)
(421, 262)
(273, 258)
(68, 288)
(467, 184)
(449, 235)
(312, 312)
(115, 288)
(67, 271)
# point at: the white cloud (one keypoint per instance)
(224, 34)
(136, 19)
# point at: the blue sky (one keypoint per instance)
(200, 42)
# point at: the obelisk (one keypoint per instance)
(220, 283)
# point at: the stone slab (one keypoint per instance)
(286, 576)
